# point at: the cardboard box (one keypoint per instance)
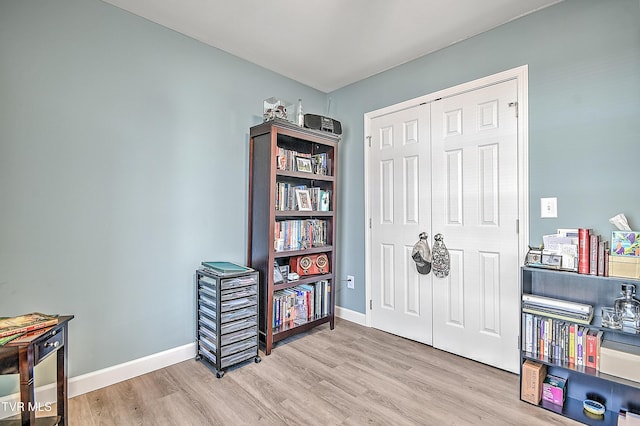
(533, 374)
(624, 266)
(620, 359)
(553, 389)
(625, 243)
(627, 418)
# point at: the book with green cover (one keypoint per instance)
(226, 267)
(7, 339)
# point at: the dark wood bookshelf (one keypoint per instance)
(264, 175)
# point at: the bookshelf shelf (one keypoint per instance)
(279, 228)
(582, 382)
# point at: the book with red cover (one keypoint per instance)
(590, 356)
(583, 250)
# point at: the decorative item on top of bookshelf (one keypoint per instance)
(273, 108)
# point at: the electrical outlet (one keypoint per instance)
(351, 282)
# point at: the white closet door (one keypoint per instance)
(400, 209)
(475, 207)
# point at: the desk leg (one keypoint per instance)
(62, 380)
(27, 396)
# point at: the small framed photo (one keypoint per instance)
(304, 200)
(303, 164)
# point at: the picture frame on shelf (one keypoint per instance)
(303, 164)
(303, 199)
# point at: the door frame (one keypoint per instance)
(521, 75)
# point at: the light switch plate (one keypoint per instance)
(548, 207)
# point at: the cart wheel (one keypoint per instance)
(257, 359)
(198, 357)
(219, 374)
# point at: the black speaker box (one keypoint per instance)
(319, 122)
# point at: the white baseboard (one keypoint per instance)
(98, 379)
(349, 315)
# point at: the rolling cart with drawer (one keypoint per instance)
(227, 318)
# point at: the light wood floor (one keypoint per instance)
(352, 375)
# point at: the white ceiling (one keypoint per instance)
(328, 44)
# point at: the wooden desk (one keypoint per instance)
(21, 355)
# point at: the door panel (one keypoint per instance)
(400, 194)
(475, 207)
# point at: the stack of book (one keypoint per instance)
(315, 299)
(558, 331)
(300, 234)
(13, 327)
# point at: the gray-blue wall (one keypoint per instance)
(584, 109)
(123, 164)
(123, 154)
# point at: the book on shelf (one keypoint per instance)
(583, 250)
(25, 323)
(594, 244)
(560, 341)
(300, 234)
(313, 297)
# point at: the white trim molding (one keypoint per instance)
(352, 316)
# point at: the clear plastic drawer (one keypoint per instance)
(208, 282)
(207, 330)
(238, 314)
(205, 299)
(228, 283)
(227, 339)
(206, 310)
(238, 346)
(230, 327)
(242, 302)
(239, 357)
(211, 356)
(208, 344)
(238, 292)
(207, 292)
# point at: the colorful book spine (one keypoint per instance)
(590, 358)
(572, 344)
(579, 354)
(594, 243)
(583, 250)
